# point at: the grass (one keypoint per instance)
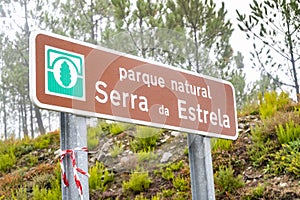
(116, 150)
(220, 144)
(289, 133)
(145, 138)
(99, 177)
(139, 181)
(227, 181)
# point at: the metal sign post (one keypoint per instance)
(73, 135)
(201, 171)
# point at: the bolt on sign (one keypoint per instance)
(71, 76)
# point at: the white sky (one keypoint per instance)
(238, 38)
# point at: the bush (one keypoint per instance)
(116, 150)
(181, 184)
(116, 128)
(146, 155)
(104, 126)
(42, 141)
(93, 136)
(261, 153)
(7, 162)
(45, 194)
(272, 102)
(167, 174)
(30, 160)
(177, 165)
(48, 186)
(220, 144)
(99, 177)
(139, 181)
(255, 193)
(19, 194)
(289, 133)
(287, 159)
(145, 138)
(226, 180)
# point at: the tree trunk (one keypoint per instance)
(31, 121)
(39, 120)
(20, 122)
(294, 70)
(4, 114)
(24, 118)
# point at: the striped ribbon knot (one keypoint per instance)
(72, 153)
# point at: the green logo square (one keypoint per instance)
(64, 73)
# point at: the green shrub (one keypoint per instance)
(145, 138)
(7, 162)
(181, 184)
(249, 107)
(43, 180)
(220, 144)
(139, 181)
(41, 189)
(23, 149)
(158, 196)
(258, 191)
(140, 197)
(289, 133)
(52, 193)
(177, 165)
(93, 136)
(42, 141)
(167, 174)
(104, 126)
(226, 180)
(182, 195)
(146, 155)
(39, 193)
(116, 128)
(255, 193)
(272, 102)
(116, 150)
(99, 177)
(287, 159)
(19, 194)
(30, 160)
(261, 153)
(168, 192)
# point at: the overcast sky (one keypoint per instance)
(238, 38)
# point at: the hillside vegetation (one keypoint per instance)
(142, 163)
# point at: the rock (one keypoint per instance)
(165, 157)
(241, 126)
(100, 155)
(129, 161)
(248, 130)
(93, 160)
(127, 152)
(283, 184)
(106, 145)
(165, 139)
(175, 133)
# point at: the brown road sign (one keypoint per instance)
(67, 75)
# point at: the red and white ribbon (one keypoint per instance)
(72, 153)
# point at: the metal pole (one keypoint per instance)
(202, 179)
(74, 134)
